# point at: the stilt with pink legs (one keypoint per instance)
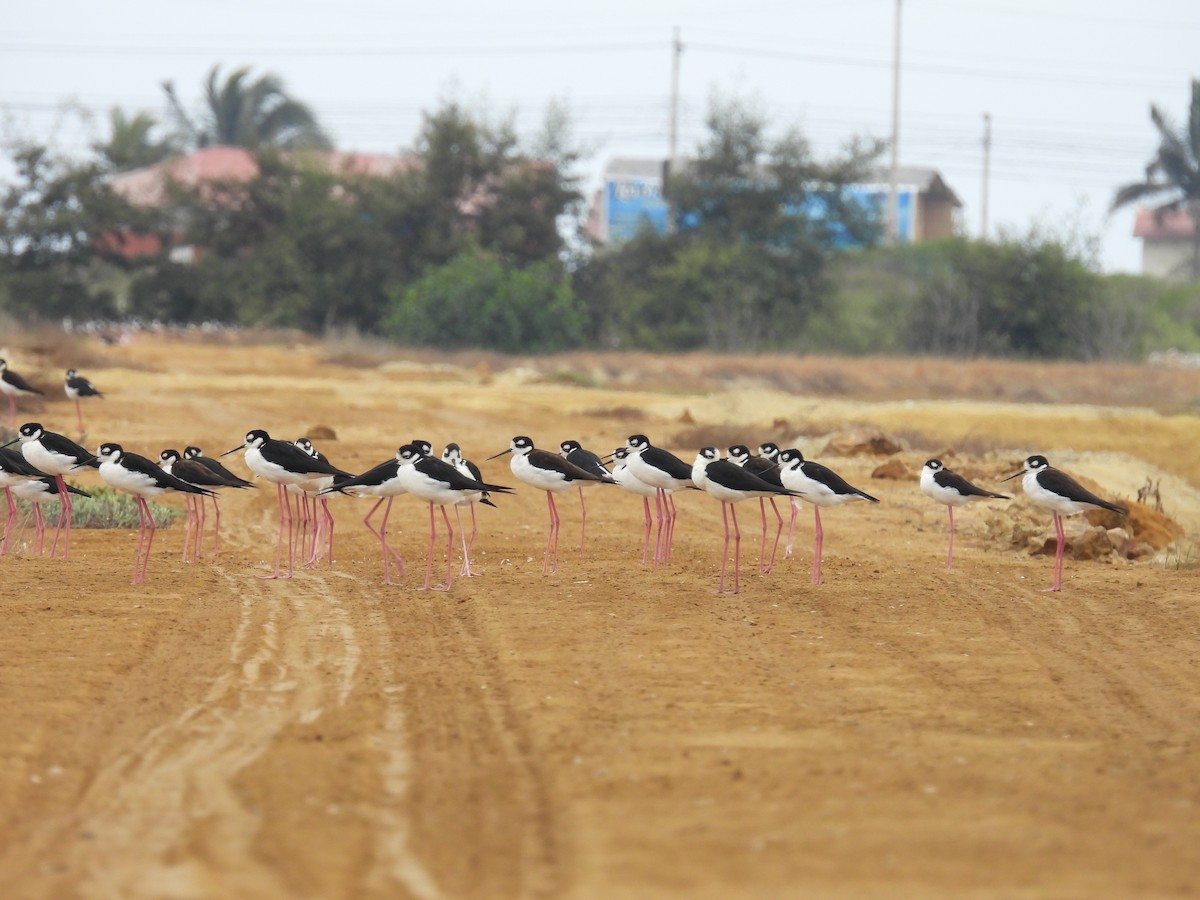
(1055, 490)
(627, 481)
(730, 483)
(439, 484)
(78, 388)
(193, 471)
(57, 456)
(666, 472)
(143, 478)
(821, 487)
(574, 452)
(551, 473)
(13, 385)
(767, 469)
(383, 482)
(452, 455)
(282, 463)
(949, 488)
(38, 492)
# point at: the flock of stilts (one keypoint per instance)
(37, 473)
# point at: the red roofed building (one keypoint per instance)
(1168, 244)
(148, 186)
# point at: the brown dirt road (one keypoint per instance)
(612, 730)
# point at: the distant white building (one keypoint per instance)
(631, 198)
(1168, 243)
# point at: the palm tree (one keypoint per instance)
(256, 114)
(131, 143)
(1173, 173)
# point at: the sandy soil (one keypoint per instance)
(902, 730)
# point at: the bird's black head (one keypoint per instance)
(1034, 463)
(709, 453)
(256, 438)
(71, 373)
(31, 431)
(192, 453)
(934, 465)
(306, 445)
(110, 452)
(791, 457)
(739, 453)
(451, 451)
(569, 447)
(423, 448)
(169, 456)
(409, 453)
(769, 450)
(637, 442)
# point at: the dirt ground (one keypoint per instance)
(613, 730)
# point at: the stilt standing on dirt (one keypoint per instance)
(1055, 490)
(951, 489)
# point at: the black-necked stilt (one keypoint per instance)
(626, 480)
(321, 512)
(38, 491)
(56, 455)
(76, 387)
(282, 463)
(820, 486)
(547, 472)
(14, 470)
(141, 477)
(13, 386)
(452, 455)
(768, 470)
(770, 451)
(730, 483)
(1055, 490)
(951, 489)
(382, 481)
(193, 471)
(668, 473)
(573, 452)
(439, 484)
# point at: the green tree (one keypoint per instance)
(132, 142)
(757, 222)
(1173, 175)
(477, 300)
(242, 112)
(61, 235)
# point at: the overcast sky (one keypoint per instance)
(1068, 83)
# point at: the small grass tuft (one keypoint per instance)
(108, 508)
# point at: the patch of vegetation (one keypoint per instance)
(107, 508)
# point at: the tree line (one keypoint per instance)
(479, 242)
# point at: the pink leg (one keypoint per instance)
(64, 519)
(550, 556)
(778, 532)
(649, 522)
(470, 545)
(137, 557)
(737, 549)
(190, 523)
(280, 492)
(149, 541)
(385, 548)
(216, 526)
(787, 550)
(39, 530)
(672, 514)
(199, 501)
(79, 415)
(950, 552)
(329, 526)
(1058, 554)
(659, 493)
(582, 520)
(449, 552)
(762, 544)
(725, 549)
(818, 546)
(8, 523)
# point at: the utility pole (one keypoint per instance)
(893, 213)
(673, 148)
(987, 164)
